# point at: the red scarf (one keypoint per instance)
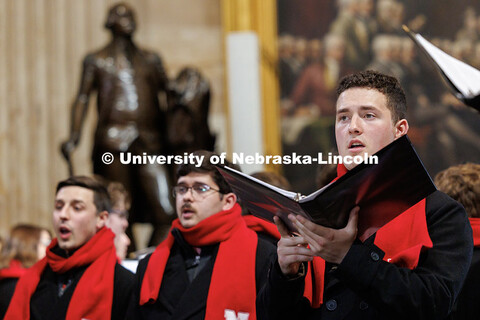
(475, 223)
(232, 286)
(402, 251)
(262, 226)
(93, 295)
(14, 270)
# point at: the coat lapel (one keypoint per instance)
(184, 300)
(194, 301)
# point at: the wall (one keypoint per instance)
(42, 44)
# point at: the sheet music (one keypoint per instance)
(463, 76)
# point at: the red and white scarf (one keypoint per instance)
(232, 285)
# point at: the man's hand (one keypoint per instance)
(291, 250)
(330, 244)
(67, 148)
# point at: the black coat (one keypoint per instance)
(364, 286)
(468, 303)
(180, 299)
(46, 304)
(7, 287)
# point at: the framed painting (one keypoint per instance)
(321, 41)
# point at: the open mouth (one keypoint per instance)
(187, 211)
(64, 232)
(355, 144)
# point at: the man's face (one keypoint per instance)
(118, 218)
(121, 241)
(43, 243)
(122, 20)
(75, 218)
(117, 222)
(364, 123)
(193, 208)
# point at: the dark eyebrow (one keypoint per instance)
(362, 108)
(74, 201)
(194, 182)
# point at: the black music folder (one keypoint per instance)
(382, 191)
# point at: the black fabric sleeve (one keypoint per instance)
(282, 298)
(133, 311)
(265, 255)
(392, 292)
(7, 288)
(427, 292)
(122, 291)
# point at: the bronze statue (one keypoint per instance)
(187, 116)
(132, 94)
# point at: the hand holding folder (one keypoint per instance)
(382, 191)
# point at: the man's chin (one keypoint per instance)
(188, 223)
(65, 246)
(350, 166)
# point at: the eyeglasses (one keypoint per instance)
(123, 214)
(198, 189)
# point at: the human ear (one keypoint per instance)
(102, 219)
(229, 201)
(401, 128)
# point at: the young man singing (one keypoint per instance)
(211, 265)
(411, 268)
(80, 277)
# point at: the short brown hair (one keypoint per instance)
(118, 194)
(21, 245)
(101, 199)
(208, 168)
(389, 86)
(462, 183)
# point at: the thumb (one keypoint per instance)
(282, 229)
(353, 220)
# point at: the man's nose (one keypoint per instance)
(188, 196)
(64, 214)
(124, 224)
(355, 125)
